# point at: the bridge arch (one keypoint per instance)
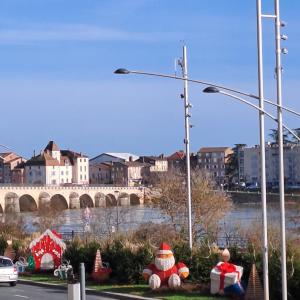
(100, 200)
(110, 200)
(27, 203)
(11, 203)
(124, 199)
(134, 199)
(74, 201)
(58, 202)
(86, 201)
(44, 199)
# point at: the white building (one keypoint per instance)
(250, 164)
(54, 167)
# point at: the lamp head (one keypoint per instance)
(122, 71)
(211, 89)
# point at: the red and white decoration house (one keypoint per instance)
(47, 250)
(164, 271)
(224, 274)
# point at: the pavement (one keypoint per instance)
(102, 294)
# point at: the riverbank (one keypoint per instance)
(255, 197)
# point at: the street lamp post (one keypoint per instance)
(187, 105)
(263, 172)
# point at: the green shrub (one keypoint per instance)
(127, 264)
(3, 244)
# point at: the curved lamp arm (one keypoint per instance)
(126, 71)
(216, 90)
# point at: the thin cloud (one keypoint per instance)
(78, 33)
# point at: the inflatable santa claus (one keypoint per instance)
(164, 271)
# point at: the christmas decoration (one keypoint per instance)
(47, 250)
(164, 271)
(21, 264)
(254, 288)
(64, 271)
(101, 270)
(31, 263)
(225, 277)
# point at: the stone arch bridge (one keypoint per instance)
(31, 198)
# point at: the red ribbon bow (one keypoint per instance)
(224, 268)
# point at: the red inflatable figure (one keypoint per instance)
(164, 271)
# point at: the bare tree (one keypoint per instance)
(209, 205)
(49, 217)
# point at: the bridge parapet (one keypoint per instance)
(75, 196)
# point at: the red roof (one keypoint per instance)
(177, 155)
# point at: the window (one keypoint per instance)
(80, 168)
(80, 177)
(62, 172)
(53, 173)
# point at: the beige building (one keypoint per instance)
(129, 173)
(157, 163)
(10, 166)
(55, 167)
(213, 160)
(100, 173)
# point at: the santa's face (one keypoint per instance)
(164, 262)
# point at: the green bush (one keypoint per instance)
(127, 260)
(127, 264)
(3, 245)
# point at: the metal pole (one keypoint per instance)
(280, 146)
(187, 145)
(82, 281)
(262, 152)
(118, 218)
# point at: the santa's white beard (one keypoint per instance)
(164, 264)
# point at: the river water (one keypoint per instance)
(101, 221)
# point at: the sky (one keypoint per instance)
(57, 59)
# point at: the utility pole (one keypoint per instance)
(263, 185)
(187, 105)
(278, 71)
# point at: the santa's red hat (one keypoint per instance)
(164, 249)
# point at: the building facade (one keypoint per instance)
(250, 164)
(11, 170)
(129, 173)
(213, 160)
(157, 163)
(57, 167)
(100, 173)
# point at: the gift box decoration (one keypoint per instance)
(224, 275)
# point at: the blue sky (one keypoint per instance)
(57, 59)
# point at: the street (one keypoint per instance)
(22, 291)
